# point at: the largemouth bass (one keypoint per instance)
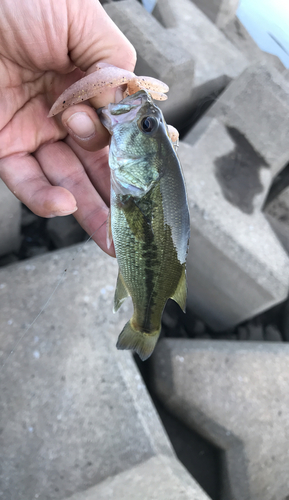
(149, 217)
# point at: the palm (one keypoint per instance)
(25, 117)
(39, 50)
(33, 55)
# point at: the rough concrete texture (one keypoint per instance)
(257, 105)
(219, 11)
(158, 54)
(215, 57)
(168, 42)
(159, 478)
(10, 218)
(73, 409)
(236, 32)
(236, 395)
(236, 266)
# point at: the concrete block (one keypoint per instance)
(159, 478)
(219, 11)
(158, 54)
(217, 60)
(73, 409)
(257, 105)
(170, 44)
(236, 265)
(236, 32)
(236, 395)
(10, 219)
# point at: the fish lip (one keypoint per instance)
(105, 117)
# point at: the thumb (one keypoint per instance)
(93, 37)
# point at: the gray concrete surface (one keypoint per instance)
(10, 219)
(236, 32)
(217, 60)
(219, 11)
(257, 105)
(73, 409)
(236, 395)
(159, 478)
(237, 267)
(171, 45)
(158, 53)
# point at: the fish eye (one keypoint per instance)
(148, 124)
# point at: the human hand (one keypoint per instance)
(56, 166)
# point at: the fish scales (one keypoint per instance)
(149, 217)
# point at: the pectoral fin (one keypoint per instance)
(180, 295)
(120, 294)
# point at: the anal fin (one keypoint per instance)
(180, 295)
(120, 293)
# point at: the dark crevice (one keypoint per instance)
(194, 115)
(280, 183)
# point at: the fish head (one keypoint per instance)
(136, 124)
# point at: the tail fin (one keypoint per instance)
(142, 343)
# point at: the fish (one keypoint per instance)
(149, 217)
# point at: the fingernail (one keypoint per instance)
(61, 213)
(81, 125)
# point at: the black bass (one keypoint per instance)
(150, 223)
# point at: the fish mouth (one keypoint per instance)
(105, 118)
(123, 111)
